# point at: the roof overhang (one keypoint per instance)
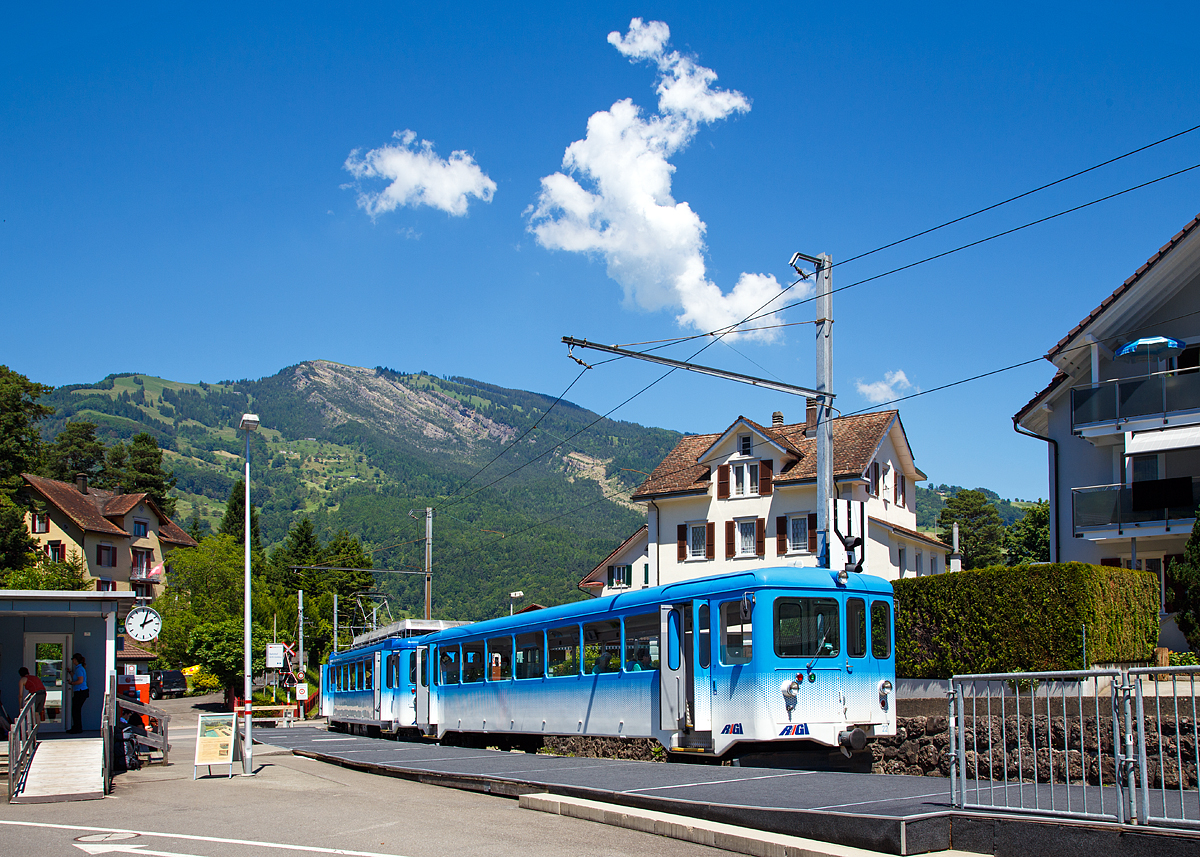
(42, 602)
(739, 424)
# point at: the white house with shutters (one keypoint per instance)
(748, 496)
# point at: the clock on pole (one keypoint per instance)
(143, 624)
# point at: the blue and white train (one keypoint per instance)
(709, 667)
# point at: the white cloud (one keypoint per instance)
(891, 387)
(613, 198)
(417, 176)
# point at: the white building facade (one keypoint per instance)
(720, 503)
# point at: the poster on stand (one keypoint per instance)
(216, 741)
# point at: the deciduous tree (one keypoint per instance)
(20, 443)
(1185, 578)
(1028, 539)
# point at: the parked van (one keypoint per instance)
(167, 683)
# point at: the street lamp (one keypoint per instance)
(249, 423)
(512, 597)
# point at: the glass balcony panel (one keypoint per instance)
(1109, 506)
(1183, 391)
(1093, 404)
(1140, 397)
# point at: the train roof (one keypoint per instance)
(786, 577)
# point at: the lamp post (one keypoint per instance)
(512, 598)
(249, 423)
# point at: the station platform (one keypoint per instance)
(882, 813)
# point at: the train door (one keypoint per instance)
(422, 687)
(731, 672)
(378, 683)
(675, 690)
(700, 700)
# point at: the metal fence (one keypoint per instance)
(1115, 745)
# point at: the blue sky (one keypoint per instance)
(199, 193)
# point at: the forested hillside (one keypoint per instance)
(358, 449)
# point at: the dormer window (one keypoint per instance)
(140, 528)
(745, 444)
(41, 522)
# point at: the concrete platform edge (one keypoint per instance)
(741, 840)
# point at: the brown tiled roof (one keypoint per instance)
(91, 511)
(912, 534)
(1124, 287)
(133, 652)
(855, 440)
(590, 581)
(86, 510)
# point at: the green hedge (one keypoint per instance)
(1027, 618)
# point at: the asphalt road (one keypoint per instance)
(300, 806)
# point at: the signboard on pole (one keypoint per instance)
(274, 656)
(302, 691)
(216, 741)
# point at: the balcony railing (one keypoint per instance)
(1157, 501)
(1143, 397)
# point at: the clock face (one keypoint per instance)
(143, 624)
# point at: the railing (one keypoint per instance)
(1167, 750)
(1143, 397)
(1038, 743)
(158, 732)
(22, 741)
(1108, 506)
(1115, 745)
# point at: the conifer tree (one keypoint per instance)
(146, 470)
(234, 521)
(75, 450)
(980, 530)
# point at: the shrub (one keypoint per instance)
(1023, 619)
(205, 681)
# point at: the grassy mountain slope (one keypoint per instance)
(359, 448)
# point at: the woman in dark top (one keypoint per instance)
(79, 691)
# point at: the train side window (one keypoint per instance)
(358, 675)
(388, 666)
(704, 637)
(412, 668)
(448, 665)
(530, 655)
(424, 667)
(881, 629)
(370, 673)
(563, 646)
(856, 628)
(473, 661)
(345, 678)
(737, 635)
(807, 627)
(500, 658)
(602, 647)
(641, 642)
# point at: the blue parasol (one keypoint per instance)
(1151, 346)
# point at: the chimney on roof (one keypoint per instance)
(810, 417)
(777, 419)
(81, 482)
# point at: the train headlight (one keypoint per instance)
(885, 690)
(789, 688)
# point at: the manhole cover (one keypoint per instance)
(104, 837)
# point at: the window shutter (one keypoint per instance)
(812, 532)
(875, 478)
(681, 542)
(99, 548)
(766, 483)
(723, 482)
(781, 535)
(610, 575)
(730, 537)
(760, 536)
(710, 542)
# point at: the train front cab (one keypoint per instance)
(806, 663)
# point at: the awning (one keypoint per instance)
(1143, 442)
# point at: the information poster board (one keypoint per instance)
(274, 656)
(216, 740)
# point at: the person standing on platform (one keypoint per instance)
(79, 691)
(31, 685)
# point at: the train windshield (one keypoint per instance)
(807, 627)
(881, 629)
